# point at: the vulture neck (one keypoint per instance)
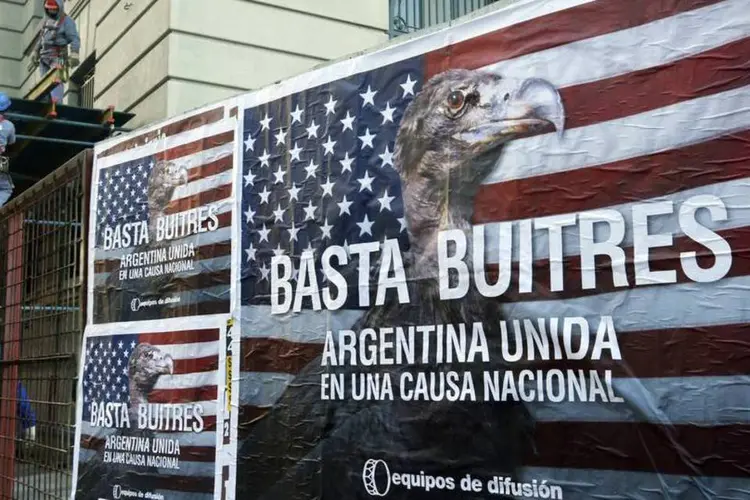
(137, 398)
(434, 205)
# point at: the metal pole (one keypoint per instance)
(24, 177)
(61, 121)
(51, 139)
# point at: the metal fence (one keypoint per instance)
(42, 276)
(407, 16)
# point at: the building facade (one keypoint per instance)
(157, 58)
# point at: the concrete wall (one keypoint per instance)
(224, 47)
(156, 58)
(18, 23)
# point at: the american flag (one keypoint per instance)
(657, 99)
(195, 378)
(207, 154)
(318, 171)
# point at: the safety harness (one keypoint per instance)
(4, 162)
(58, 52)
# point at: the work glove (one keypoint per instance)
(35, 58)
(30, 434)
(74, 59)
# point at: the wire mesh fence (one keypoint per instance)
(42, 277)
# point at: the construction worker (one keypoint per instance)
(7, 130)
(7, 137)
(58, 32)
(25, 414)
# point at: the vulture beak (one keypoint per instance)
(168, 364)
(516, 109)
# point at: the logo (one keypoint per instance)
(137, 304)
(369, 477)
(116, 492)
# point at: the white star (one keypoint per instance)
(295, 151)
(278, 214)
(264, 271)
(281, 137)
(369, 96)
(250, 215)
(385, 201)
(310, 169)
(266, 122)
(331, 106)
(296, 115)
(402, 221)
(365, 227)
(346, 163)
(328, 145)
(295, 273)
(328, 187)
(264, 194)
(344, 206)
(250, 252)
(387, 157)
(348, 122)
(293, 232)
(408, 86)
(264, 158)
(309, 250)
(326, 228)
(367, 138)
(294, 192)
(365, 182)
(346, 247)
(249, 143)
(312, 130)
(387, 113)
(309, 211)
(279, 174)
(278, 250)
(264, 233)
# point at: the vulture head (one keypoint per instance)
(165, 177)
(451, 137)
(147, 363)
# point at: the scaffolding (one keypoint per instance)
(48, 134)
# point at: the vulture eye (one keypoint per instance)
(506, 97)
(456, 100)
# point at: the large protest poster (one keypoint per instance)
(505, 259)
(151, 410)
(161, 220)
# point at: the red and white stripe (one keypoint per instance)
(657, 98)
